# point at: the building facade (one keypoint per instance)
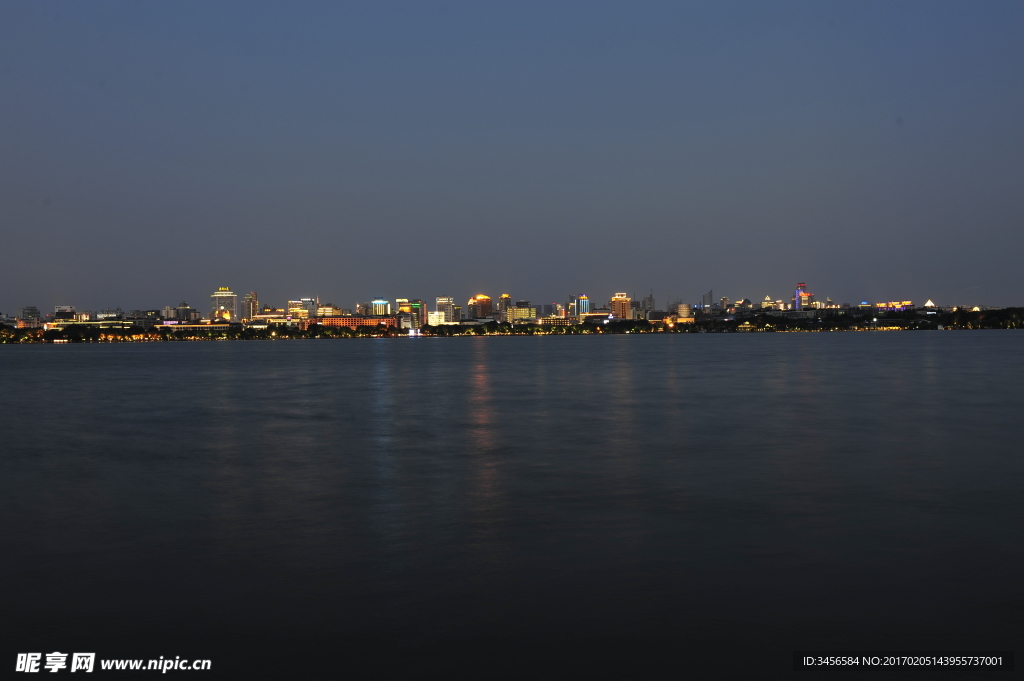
(224, 305)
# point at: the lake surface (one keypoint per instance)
(514, 507)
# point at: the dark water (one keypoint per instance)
(574, 507)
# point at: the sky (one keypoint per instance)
(151, 152)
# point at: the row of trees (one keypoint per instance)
(1007, 318)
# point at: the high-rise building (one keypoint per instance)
(504, 302)
(380, 307)
(578, 306)
(706, 300)
(479, 306)
(619, 306)
(250, 305)
(446, 306)
(416, 310)
(224, 305)
(801, 298)
(647, 305)
(28, 312)
(296, 310)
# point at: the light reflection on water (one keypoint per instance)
(435, 490)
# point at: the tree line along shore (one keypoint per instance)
(1005, 318)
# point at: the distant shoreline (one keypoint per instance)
(1005, 318)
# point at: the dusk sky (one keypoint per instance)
(153, 151)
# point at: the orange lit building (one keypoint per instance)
(353, 322)
(620, 306)
(479, 306)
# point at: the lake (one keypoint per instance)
(514, 507)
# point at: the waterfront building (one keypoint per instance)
(504, 303)
(182, 313)
(620, 306)
(802, 298)
(296, 310)
(310, 305)
(250, 305)
(223, 305)
(895, 306)
(28, 312)
(521, 312)
(380, 307)
(355, 321)
(330, 310)
(446, 306)
(579, 306)
(479, 306)
(416, 309)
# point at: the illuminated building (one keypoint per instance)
(556, 321)
(416, 310)
(330, 310)
(801, 298)
(296, 310)
(479, 306)
(520, 312)
(620, 306)
(379, 307)
(250, 305)
(224, 305)
(446, 306)
(895, 305)
(504, 303)
(310, 305)
(353, 322)
(580, 305)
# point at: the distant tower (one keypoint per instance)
(504, 303)
(224, 305)
(801, 298)
(250, 305)
(582, 305)
(706, 302)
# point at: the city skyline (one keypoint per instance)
(225, 305)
